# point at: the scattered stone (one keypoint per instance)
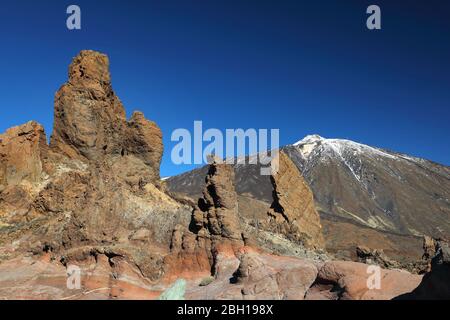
(375, 257)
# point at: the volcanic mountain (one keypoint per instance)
(384, 199)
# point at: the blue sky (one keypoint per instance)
(304, 67)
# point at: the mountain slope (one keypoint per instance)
(378, 188)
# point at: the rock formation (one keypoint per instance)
(22, 153)
(23, 169)
(429, 248)
(95, 190)
(346, 280)
(383, 199)
(217, 211)
(262, 278)
(375, 257)
(293, 212)
(90, 121)
(92, 201)
(435, 284)
(214, 232)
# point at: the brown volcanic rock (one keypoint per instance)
(429, 248)
(293, 212)
(107, 169)
(96, 186)
(271, 277)
(22, 153)
(88, 115)
(23, 156)
(435, 284)
(348, 280)
(102, 277)
(217, 211)
(374, 256)
(215, 235)
(191, 255)
(145, 141)
(90, 121)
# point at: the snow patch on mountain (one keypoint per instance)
(307, 145)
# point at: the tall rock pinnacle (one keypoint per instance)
(217, 211)
(90, 121)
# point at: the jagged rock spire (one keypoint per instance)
(90, 121)
(217, 211)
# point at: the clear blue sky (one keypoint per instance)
(304, 67)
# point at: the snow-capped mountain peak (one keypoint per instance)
(309, 139)
(337, 146)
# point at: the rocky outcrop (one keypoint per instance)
(429, 248)
(266, 277)
(96, 188)
(214, 232)
(217, 211)
(345, 280)
(23, 150)
(435, 284)
(293, 212)
(107, 174)
(23, 169)
(191, 256)
(101, 277)
(375, 257)
(90, 121)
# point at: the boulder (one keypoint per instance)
(348, 280)
(267, 277)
